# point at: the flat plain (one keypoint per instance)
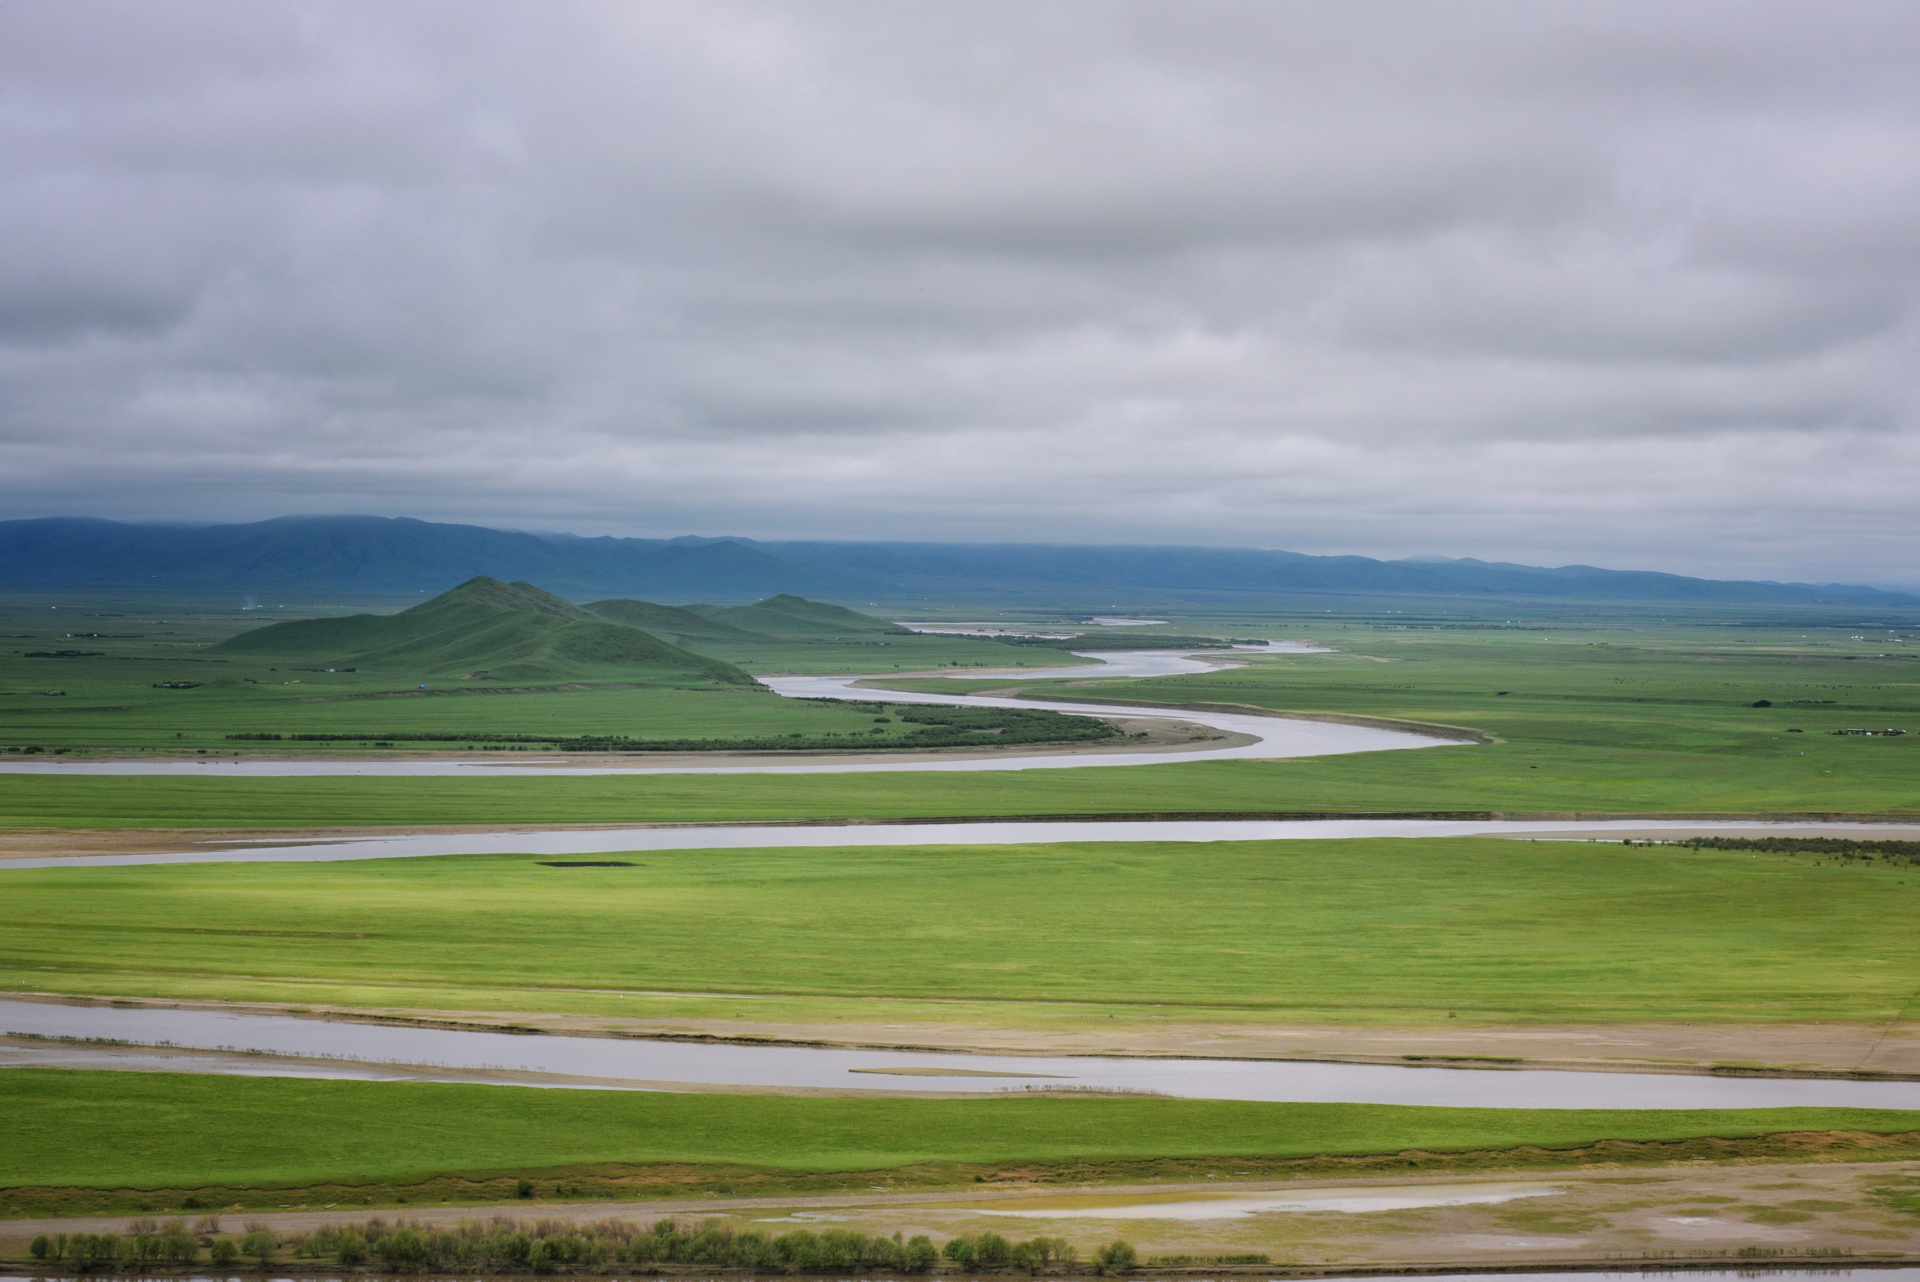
(1585, 710)
(1388, 932)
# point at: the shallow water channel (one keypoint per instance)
(604, 841)
(660, 1065)
(1228, 1206)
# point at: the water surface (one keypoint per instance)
(637, 1061)
(1228, 1206)
(601, 841)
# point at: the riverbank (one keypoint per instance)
(1722, 1214)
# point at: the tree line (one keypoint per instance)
(1904, 854)
(502, 1244)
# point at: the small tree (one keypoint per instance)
(177, 1246)
(960, 1251)
(89, 1249)
(259, 1245)
(1115, 1257)
(223, 1252)
(349, 1247)
(41, 1248)
(920, 1254)
(405, 1250)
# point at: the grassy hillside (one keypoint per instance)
(509, 632)
(669, 621)
(791, 616)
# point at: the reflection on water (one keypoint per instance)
(660, 1064)
(1226, 1206)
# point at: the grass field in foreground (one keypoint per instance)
(134, 1130)
(1350, 931)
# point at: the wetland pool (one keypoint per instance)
(1228, 1206)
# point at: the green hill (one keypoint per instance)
(791, 616)
(670, 621)
(510, 631)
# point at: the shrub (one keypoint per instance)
(177, 1246)
(405, 1250)
(920, 1255)
(958, 1250)
(1115, 1257)
(87, 1250)
(259, 1245)
(41, 1248)
(223, 1252)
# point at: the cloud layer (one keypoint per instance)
(1631, 284)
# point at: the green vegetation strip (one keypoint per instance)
(938, 727)
(1506, 778)
(111, 1130)
(1901, 854)
(1356, 931)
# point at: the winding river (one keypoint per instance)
(1272, 736)
(381, 1052)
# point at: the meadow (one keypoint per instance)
(1604, 711)
(149, 1141)
(145, 676)
(1613, 710)
(1347, 932)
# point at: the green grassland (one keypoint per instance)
(487, 658)
(116, 707)
(1804, 774)
(128, 1132)
(1608, 711)
(1356, 931)
(1605, 711)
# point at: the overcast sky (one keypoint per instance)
(1626, 283)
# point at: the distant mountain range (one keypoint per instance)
(381, 556)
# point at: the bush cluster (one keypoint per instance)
(1898, 853)
(145, 1243)
(503, 1244)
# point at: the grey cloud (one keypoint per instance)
(1624, 284)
